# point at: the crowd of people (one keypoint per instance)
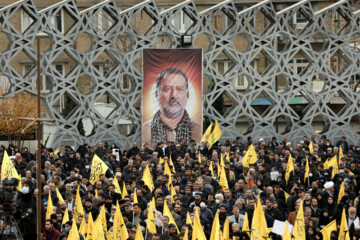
(197, 188)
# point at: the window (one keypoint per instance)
(102, 22)
(45, 81)
(299, 65)
(124, 84)
(56, 20)
(27, 68)
(26, 20)
(241, 82)
(300, 20)
(181, 21)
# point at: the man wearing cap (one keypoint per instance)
(128, 213)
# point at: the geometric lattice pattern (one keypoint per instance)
(264, 63)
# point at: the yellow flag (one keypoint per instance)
(344, 230)
(207, 133)
(245, 226)
(326, 164)
(150, 223)
(100, 234)
(222, 164)
(56, 151)
(124, 191)
(186, 235)
(299, 226)
(173, 193)
(215, 135)
(161, 161)
(307, 169)
(83, 228)
(226, 229)
(211, 169)
(228, 157)
(286, 195)
(65, 217)
(188, 219)
(287, 234)
(258, 224)
(352, 174)
(341, 192)
(58, 195)
(166, 212)
(94, 233)
(198, 233)
(49, 209)
(171, 162)
(250, 156)
(102, 217)
(110, 235)
(116, 184)
(90, 228)
(168, 172)
(135, 200)
(139, 235)
(78, 207)
(74, 233)
(152, 205)
(223, 180)
(215, 230)
(199, 157)
(96, 193)
(334, 164)
(341, 154)
(326, 231)
(311, 148)
(116, 223)
(147, 178)
(263, 227)
(98, 167)
(8, 168)
(19, 184)
(289, 168)
(123, 231)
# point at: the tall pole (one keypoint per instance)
(38, 171)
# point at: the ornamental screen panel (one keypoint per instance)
(267, 70)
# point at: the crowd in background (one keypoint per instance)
(197, 187)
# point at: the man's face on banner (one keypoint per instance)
(172, 95)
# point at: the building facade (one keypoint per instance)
(271, 68)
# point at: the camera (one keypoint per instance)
(10, 229)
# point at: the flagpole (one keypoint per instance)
(146, 231)
(38, 171)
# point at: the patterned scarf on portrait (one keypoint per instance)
(158, 129)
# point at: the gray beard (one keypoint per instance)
(169, 112)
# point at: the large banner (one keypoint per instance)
(172, 96)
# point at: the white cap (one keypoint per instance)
(328, 185)
(261, 139)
